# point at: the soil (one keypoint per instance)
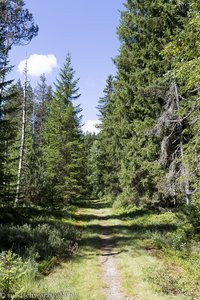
(108, 261)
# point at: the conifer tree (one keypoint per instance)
(88, 141)
(23, 136)
(145, 28)
(108, 150)
(33, 177)
(179, 122)
(63, 149)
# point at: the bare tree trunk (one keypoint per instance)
(21, 154)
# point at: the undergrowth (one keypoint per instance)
(32, 243)
(172, 239)
(172, 278)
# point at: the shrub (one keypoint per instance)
(168, 230)
(178, 240)
(40, 242)
(156, 238)
(12, 271)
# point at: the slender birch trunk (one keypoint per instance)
(22, 145)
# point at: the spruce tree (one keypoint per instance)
(108, 146)
(178, 125)
(33, 181)
(145, 28)
(63, 148)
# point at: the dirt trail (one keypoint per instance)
(110, 273)
(109, 269)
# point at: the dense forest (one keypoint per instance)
(146, 155)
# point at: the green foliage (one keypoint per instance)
(96, 167)
(13, 115)
(181, 238)
(63, 147)
(12, 271)
(33, 176)
(46, 266)
(149, 139)
(103, 163)
(40, 242)
(134, 101)
(17, 28)
(88, 141)
(173, 279)
(181, 141)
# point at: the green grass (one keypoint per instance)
(156, 260)
(82, 275)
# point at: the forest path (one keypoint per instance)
(117, 243)
(99, 222)
(108, 255)
(116, 258)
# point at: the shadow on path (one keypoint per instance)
(100, 227)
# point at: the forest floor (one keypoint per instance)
(117, 260)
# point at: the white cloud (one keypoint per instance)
(38, 64)
(89, 126)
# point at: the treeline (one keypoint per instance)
(42, 149)
(148, 150)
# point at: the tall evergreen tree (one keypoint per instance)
(145, 28)
(63, 149)
(108, 145)
(179, 122)
(34, 179)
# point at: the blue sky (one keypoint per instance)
(86, 29)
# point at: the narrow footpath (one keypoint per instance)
(108, 262)
(99, 230)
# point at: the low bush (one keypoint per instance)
(40, 242)
(168, 230)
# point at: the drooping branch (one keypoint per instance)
(170, 128)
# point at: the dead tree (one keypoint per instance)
(22, 144)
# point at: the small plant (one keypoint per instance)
(46, 266)
(156, 239)
(12, 271)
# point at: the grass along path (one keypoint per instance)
(117, 260)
